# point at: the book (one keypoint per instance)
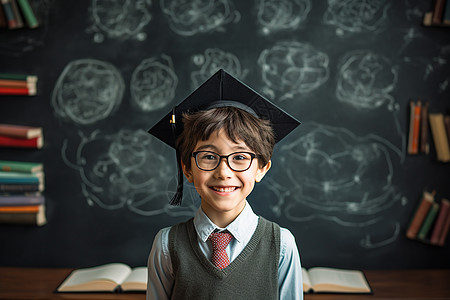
(17, 15)
(332, 280)
(444, 232)
(14, 76)
(412, 108)
(20, 166)
(16, 83)
(21, 209)
(24, 218)
(440, 222)
(28, 13)
(20, 131)
(428, 221)
(12, 188)
(27, 91)
(439, 136)
(18, 177)
(446, 17)
(7, 8)
(7, 141)
(420, 214)
(438, 10)
(113, 277)
(3, 21)
(424, 145)
(22, 199)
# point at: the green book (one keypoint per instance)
(20, 166)
(28, 13)
(429, 220)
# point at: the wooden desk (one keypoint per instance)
(35, 283)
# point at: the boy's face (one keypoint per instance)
(222, 190)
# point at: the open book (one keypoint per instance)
(114, 277)
(331, 280)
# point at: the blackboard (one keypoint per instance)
(342, 182)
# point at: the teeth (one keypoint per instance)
(224, 189)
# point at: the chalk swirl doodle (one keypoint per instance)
(87, 91)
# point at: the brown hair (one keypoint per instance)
(238, 125)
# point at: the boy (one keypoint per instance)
(224, 145)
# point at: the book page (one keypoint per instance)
(306, 280)
(330, 279)
(136, 281)
(115, 273)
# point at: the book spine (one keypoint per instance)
(36, 142)
(416, 128)
(438, 11)
(440, 222)
(19, 209)
(17, 91)
(17, 166)
(12, 23)
(412, 106)
(428, 222)
(19, 131)
(439, 136)
(419, 215)
(446, 17)
(38, 219)
(17, 15)
(28, 13)
(21, 200)
(445, 230)
(27, 78)
(424, 146)
(21, 188)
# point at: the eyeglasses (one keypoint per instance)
(237, 161)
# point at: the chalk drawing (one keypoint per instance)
(335, 176)
(87, 91)
(119, 19)
(153, 83)
(292, 68)
(189, 18)
(353, 16)
(365, 80)
(211, 61)
(276, 15)
(437, 65)
(124, 170)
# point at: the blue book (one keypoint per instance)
(16, 177)
(21, 200)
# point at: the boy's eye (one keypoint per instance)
(240, 156)
(209, 157)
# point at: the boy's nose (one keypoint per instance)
(223, 168)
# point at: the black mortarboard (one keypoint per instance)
(221, 89)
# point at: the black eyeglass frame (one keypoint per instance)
(252, 155)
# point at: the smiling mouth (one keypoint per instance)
(224, 189)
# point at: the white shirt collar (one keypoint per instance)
(241, 228)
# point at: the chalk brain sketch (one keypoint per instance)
(365, 80)
(334, 175)
(356, 15)
(211, 61)
(188, 18)
(87, 91)
(123, 170)
(292, 68)
(275, 15)
(153, 83)
(120, 19)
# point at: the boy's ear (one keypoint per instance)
(261, 172)
(187, 172)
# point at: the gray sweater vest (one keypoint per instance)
(252, 275)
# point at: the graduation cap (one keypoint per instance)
(221, 89)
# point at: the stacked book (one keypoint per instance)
(19, 136)
(431, 220)
(16, 14)
(18, 84)
(21, 185)
(421, 121)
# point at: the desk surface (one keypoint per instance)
(37, 283)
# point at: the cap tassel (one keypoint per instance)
(178, 197)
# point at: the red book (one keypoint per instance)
(6, 141)
(17, 91)
(440, 222)
(420, 214)
(20, 131)
(413, 145)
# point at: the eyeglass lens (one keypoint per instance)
(239, 161)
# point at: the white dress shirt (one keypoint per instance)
(160, 272)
